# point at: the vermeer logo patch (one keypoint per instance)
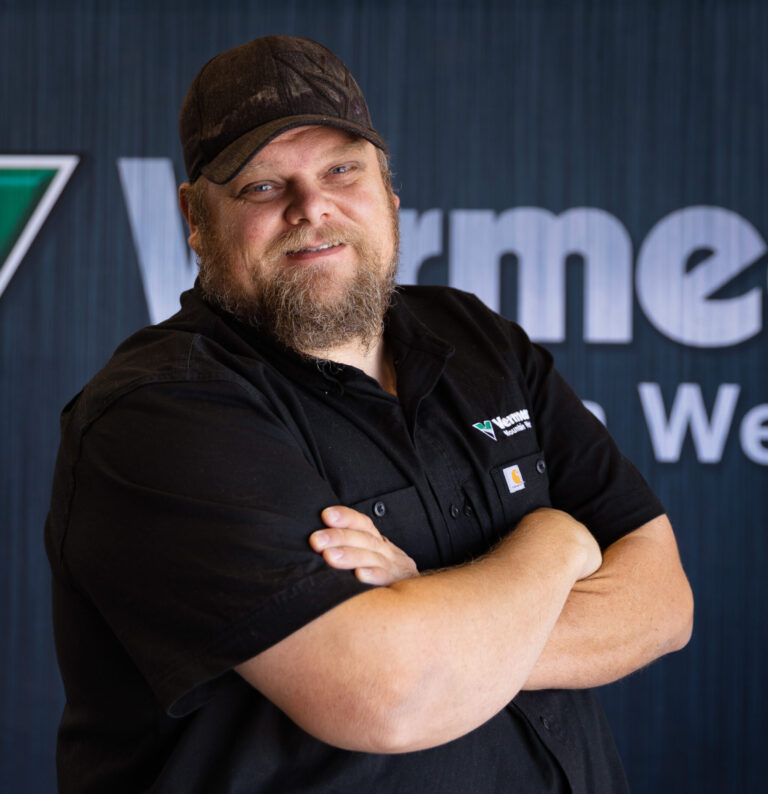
(510, 424)
(486, 427)
(513, 478)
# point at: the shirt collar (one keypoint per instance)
(417, 351)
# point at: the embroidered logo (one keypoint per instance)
(510, 424)
(513, 478)
(486, 427)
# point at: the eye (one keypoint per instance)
(257, 191)
(346, 168)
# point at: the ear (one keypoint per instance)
(189, 216)
(396, 199)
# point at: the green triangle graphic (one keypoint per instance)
(21, 190)
(30, 184)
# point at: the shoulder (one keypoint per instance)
(431, 302)
(466, 323)
(196, 348)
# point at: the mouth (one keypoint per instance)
(314, 250)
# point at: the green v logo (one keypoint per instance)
(29, 187)
(485, 427)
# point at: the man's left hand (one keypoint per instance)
(351, 541)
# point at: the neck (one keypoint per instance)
(375, 361)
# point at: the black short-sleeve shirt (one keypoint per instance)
(191, 472)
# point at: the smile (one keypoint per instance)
(325, 247)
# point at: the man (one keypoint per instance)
(291, 551)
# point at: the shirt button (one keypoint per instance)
(541, 467)
(545, 722)
(454, 511)
(467, 510)
(379, 509)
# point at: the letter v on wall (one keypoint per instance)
(166, 264)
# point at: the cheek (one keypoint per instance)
(246, 242)
(257, 238)
(241, 226)
(372, 215)
(385, 230)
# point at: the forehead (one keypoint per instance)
(306, 146)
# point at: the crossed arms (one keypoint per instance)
(542, 610)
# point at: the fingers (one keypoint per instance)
(376, 576)
(350, 549)
(334, 538)
(346, 527)
(346, 517)
(350, 541)
(368, 566)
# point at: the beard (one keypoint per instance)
(306, 307)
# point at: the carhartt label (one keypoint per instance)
(513, 478)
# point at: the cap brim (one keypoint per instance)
(232, 159)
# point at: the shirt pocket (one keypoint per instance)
(400, 516)
(522, 486)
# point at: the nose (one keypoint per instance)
(308, 203)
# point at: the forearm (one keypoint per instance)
(430, 658)
(637, 607)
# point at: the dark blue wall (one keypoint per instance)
(643, 111)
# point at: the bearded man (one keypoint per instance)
(290, 550)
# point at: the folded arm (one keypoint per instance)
(427, 658)
(637, 607)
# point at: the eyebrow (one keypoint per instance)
(339, 151)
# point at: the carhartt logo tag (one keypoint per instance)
(513, 478)
(512, 423)
(29, 187)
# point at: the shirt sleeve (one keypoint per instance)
(189, 523)
(589, 476)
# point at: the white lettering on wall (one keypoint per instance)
(541, 241)
(167, 266)
(679, 302)
(688, 412)
(421, 236)
(753, 434)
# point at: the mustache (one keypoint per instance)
(305, 237)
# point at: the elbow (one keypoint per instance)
(420, 715)
(399, 733)
(394, 736)
(686, 629)
(385, 715)
(408, 730)
(400, 721)
(367, 723)
(681, 619)
(410, 714)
